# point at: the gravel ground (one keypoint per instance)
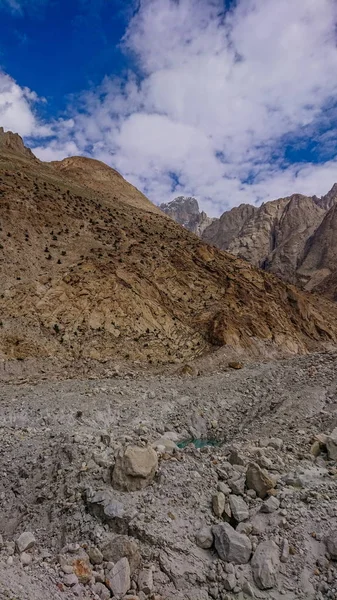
(60, 443)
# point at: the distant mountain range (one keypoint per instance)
(295, 238)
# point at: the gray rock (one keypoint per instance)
(25, 559)
(120, 546)
(235, 458)
(258, 480)
(270, 505)
(119, 578)
(237, 485)
(204, 537)
(239, 508)
(145, 581)
(218, 504)
(25, 541)
(10, 548)
(244, 527)
(265, 565)
(331, 445)
(95, 555)
(229, 582)
(67, 569)
(251, 494)
(331, 544)
(134, 468)
(285, 550)
(248, 590)
(70, 580)
(275, 443)
(231, 546)
(102, 591)
(224, 488)
(164, 444)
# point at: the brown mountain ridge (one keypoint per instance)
(90, 268)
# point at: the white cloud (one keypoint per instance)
(214, 101)
(16, 109)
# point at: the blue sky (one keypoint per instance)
(62, 47)
(230, 101)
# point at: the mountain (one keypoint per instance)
(97, 176)
(292, 237)
(318, 268)
(185, 210)
(90, 268)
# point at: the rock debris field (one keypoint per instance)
(218, 486)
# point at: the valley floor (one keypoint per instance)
(59, 444)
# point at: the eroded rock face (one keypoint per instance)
(134, 468)
(231, 546)
(265, 565)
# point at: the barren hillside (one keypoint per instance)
(94, 270)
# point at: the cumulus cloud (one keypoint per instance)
(214, 99)
(17, 109)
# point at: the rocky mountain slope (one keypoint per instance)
(294, 238)
(185, 210)
(90, 269)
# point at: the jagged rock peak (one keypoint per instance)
(181, 205)
(329, 200)
(185, 210)
(14, 143)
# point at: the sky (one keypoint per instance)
(230, 101)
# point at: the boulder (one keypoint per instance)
(134, 468)
(235, 458)
(265, 565)
(231, 546)
(164, 444)
(331, 544)
(25, 541)
(270, 505)
(331, 445)
(145, 581)
(95, 555)
(82, 569)
(118, 579)
(238, 508)
(258, 480)
(70, 580)
(204, 537)
(102, 591)
(237, 485)
(122, 546)
(219, 503)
